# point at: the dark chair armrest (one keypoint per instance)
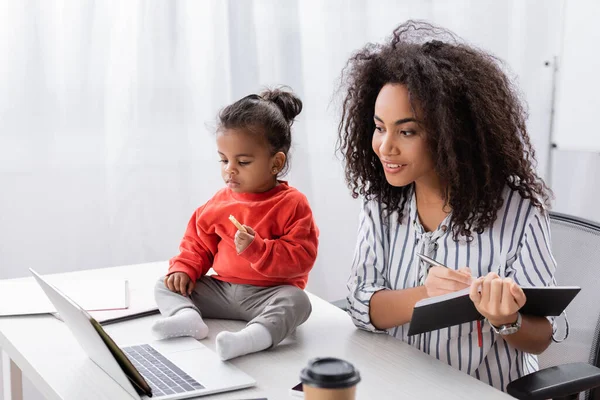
(553, 382)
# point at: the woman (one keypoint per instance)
(434, 138)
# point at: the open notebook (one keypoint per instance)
(24, 296)
(141, 303)
(457, 308)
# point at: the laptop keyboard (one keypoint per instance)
(164, 377)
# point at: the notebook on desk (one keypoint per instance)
(137, 309)
(457, 308)
(141, 304)
(24, 296)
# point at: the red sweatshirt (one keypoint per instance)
(284, 248)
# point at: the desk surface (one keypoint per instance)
(47, 353)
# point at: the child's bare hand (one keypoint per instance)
(242, 240)
(180, 282)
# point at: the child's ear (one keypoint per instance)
(278, 162)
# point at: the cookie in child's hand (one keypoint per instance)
(237, 224)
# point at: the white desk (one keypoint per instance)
(45, 351)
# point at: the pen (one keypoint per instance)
(430, 261)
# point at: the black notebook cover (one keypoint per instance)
(457, 308)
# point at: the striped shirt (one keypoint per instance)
(516, 246)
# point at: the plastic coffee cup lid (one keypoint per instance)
(330, 373)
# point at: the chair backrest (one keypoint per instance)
(576, 248)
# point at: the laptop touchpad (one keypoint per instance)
(205, 366)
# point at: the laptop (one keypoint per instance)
(178, 368)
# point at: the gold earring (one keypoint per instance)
(275, 170)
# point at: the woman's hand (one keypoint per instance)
(180, 282)
(499, 299)
(442, 280)
(242, 239)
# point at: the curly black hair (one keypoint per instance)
(472, 113)
(270, 114)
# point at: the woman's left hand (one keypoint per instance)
(499, 299)
(242, 240)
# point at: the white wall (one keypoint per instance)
(578, 82)
(576, 193)
(575, 175)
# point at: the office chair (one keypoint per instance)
(570, 370)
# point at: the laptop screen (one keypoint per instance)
(138, 381)
(82, 325)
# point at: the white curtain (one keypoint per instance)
(107, 109)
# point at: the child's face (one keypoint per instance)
(247, 164)
(399, 140)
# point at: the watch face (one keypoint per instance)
(508, 330)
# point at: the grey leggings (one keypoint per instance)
(280, 309)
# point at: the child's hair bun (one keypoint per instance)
(288, 103)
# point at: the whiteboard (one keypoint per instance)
(577, 103)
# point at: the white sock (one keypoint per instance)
(253, 338)
(186, 322)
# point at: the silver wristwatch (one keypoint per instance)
(508, 329)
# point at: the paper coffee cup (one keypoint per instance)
(329, 379)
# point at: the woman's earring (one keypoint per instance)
(274, 170)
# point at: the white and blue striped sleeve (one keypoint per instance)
(368, 267)
(534, 264)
